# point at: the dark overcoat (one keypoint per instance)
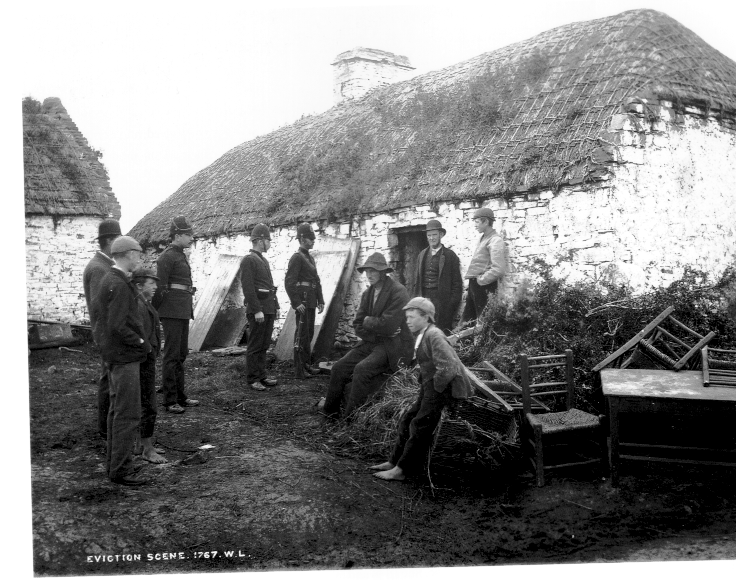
(385, 321)
(450, 284)
(119, 328)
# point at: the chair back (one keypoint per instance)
(544, 376)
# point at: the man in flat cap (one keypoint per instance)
(385, 341)
(442, 379)
(107, 232)
(145, 280)
(304, 288)
(487, 266)
(173, 300)
(120, 335)
(438, 277)
(261, 307)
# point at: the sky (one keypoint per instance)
(165, 88)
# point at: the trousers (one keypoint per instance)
(176, 348)
(148, 396)
(476, 299)
(259, 339)
(124, 417)
(304, 340)
(103, 401)
(364, 367)
(416, 429)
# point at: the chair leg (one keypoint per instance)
(603, 438)
(539, 456)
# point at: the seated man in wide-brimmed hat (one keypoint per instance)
(385, 340)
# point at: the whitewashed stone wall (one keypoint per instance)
(670, 202)
(56, 255)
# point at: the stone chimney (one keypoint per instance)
(359, 70)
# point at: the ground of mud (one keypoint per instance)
(276, 493)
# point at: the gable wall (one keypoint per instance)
(56, 255)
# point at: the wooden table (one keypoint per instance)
(645, 394)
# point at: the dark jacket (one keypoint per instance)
(303, 269)
(259, 293)
(94, 272)
(385, 321)
(151, 324)
(119, 329)
(439, 363)
(172, 267)
(450, 284)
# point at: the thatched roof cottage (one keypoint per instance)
(67, 194)
(602, 145)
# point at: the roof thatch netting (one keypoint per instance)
(63, 174)
(531, 115)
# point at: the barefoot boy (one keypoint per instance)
(145, 281)
(442, 378)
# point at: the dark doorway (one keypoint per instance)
(404, 257)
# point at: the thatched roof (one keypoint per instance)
(63, 174)
(532, 115)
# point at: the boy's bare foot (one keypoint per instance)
(382, 466)
(151, 456)
(396, 474)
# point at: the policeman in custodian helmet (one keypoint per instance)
(305, 293)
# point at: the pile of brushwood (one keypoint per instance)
(594, 318)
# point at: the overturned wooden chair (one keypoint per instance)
(660, 343)
(559, 438)
(505, 387)
(719, 367)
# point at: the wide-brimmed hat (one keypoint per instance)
(435, 225)
(423, 304)
(143, 273)
(124, 244)
(108, 227)
(377, 262)
(180, 225)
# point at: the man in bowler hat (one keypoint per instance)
(438, 277)
(107, 232)
(174, 302)
(385, 341)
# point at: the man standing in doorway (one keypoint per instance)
(107, 232)
(173, 300)
(261, 307)
(487, 266)
(121, 338)
(438, 277)
(305, 293)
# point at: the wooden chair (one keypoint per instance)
(659, 341)
(566, 433)
(721, 371)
